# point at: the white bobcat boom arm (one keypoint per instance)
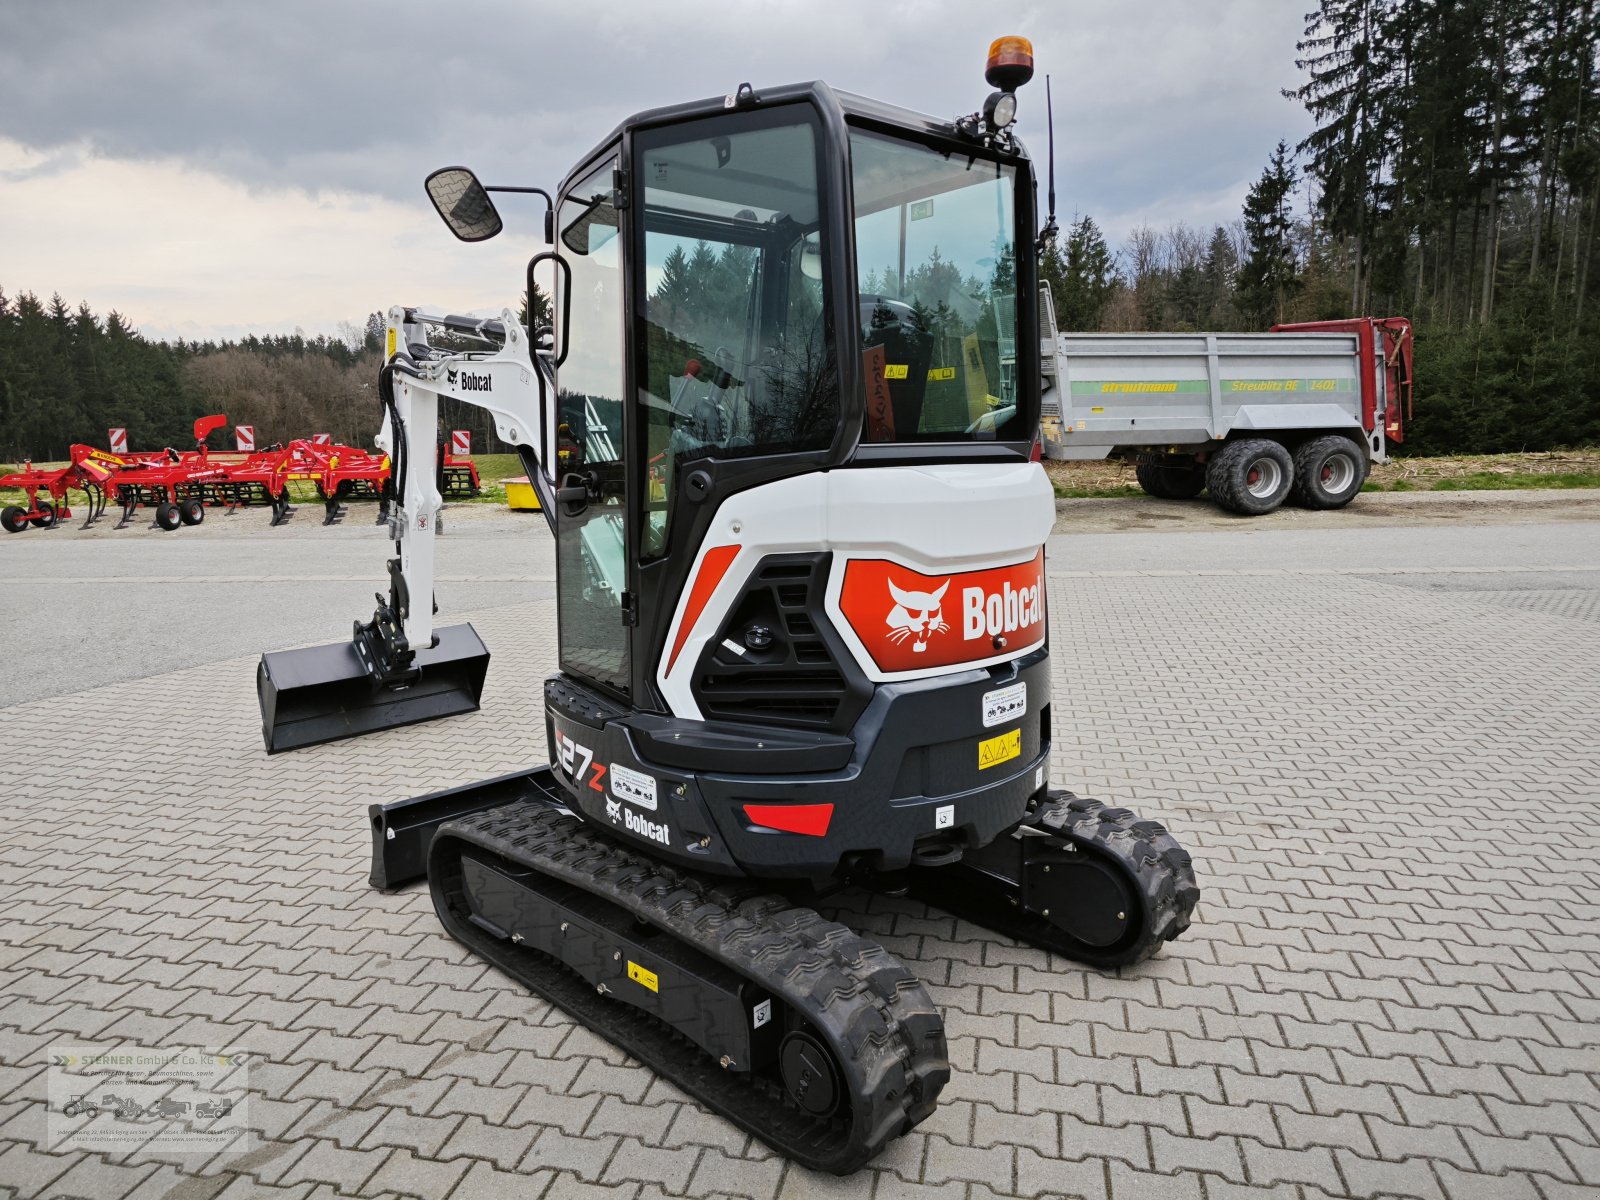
(398, 668)
(503, 380)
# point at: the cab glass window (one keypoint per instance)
(936, 267)
(736, 347)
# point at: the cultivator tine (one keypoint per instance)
(129, 506)
(281, 511)
(96, 498)
(335, 511)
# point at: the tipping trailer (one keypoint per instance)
(1254, 419)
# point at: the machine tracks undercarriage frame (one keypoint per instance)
(798, 1030)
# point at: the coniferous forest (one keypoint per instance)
(1452, 176)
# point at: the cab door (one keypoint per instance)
(593, 565)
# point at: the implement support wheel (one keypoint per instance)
(192, 511)
(11, 517)
(46, 517)
(167, 515)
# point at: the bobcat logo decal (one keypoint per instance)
(917, 615)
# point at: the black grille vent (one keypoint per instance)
(802, 678)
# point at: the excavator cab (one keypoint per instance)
(756, 288)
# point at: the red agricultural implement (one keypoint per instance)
(458, 474)
(180, 485)
(47, 498)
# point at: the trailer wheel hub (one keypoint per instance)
(1337, 472)
(1263, 478)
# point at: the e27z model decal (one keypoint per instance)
(577, 760)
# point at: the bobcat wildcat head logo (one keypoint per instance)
(917, 615)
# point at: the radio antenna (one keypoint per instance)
(1048, 233)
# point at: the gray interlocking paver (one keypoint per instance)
(1391, 985)
(1408, 1177)
(405, 1173)
(755, 1179)
(93, 1176)
(1219, 1155)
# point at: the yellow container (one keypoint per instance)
(520, 494)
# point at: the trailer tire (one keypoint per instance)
(192, 511)
(1329, 472)
(167, 515)
(1250, 477)
(46, 517)
(11, 517)
(1170, 483)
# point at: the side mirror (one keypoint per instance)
(463, 203)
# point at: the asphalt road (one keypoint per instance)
(78, 611)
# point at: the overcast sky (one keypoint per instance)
(217, 168)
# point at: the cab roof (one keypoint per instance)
(835, 106)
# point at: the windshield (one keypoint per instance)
(936, 266)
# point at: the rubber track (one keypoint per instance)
(877, 1017)
(1160, 870)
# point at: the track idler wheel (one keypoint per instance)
(810, 1074)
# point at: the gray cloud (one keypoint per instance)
(1160, 107)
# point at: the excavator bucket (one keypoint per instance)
(322, 693)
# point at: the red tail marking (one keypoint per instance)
(809, 819)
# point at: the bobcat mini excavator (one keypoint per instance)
(781, 430)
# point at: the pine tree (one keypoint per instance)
(1218, 270)
(1270, 275)
(1350, 55)
(1088, 275)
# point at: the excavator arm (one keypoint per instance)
(503, 376)
(398, 668)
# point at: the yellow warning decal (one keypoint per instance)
(996, 750)
(896, 370)
(391, 343)
(942, 373)
(643, 977)
(1096, 408)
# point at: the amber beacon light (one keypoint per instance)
(1010, 63)
(1010, 66)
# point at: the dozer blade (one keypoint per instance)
(322, 693)
(403, 830)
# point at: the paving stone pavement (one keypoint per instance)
(1392, 986)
